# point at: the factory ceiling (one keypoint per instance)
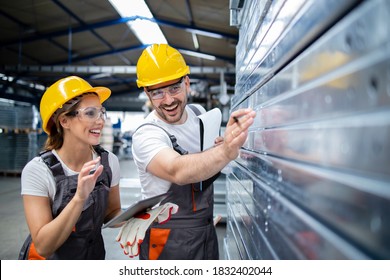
(44, 40)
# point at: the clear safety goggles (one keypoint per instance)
(159, 93)
(91, 114)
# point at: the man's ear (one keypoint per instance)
(187, 80)
(146, 92)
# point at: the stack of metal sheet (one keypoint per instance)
(312, 181)
(18, 137)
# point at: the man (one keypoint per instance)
(168, 156)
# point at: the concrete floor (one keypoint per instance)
(14, 229)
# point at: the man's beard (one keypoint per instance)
(166, 117)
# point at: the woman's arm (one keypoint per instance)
(49, 234)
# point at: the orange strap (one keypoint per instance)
(193, 198)
(158, 239)
(33, 254)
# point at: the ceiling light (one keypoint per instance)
(198, 54)
(100, 76)
(195, 40)
(204, 33)
(148, 32)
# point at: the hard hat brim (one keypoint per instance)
(154, 82)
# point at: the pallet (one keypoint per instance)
(10, 173)
(20, 130)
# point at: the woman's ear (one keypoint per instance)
(64, 121)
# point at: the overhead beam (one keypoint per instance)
(105, 69)
(89, 27)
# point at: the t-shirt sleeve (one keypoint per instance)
(147, 142)
(35, 178)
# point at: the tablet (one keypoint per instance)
(135, 208)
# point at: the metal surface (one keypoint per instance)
(312, 181)
(284, 29)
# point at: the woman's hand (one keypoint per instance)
(87, 178)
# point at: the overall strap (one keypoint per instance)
(197, 112)
(195, 109)
(103, 153)
(53, 163)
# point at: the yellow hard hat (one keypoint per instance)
(61, 92)
(160, 63)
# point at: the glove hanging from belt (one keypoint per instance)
(133, 231)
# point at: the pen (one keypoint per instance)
(237, 121)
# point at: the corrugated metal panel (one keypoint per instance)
(275, 33)
(313, 179)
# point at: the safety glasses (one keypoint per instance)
(90, 114)
(159, 93)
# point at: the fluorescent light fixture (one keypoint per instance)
(148, 32)
(195, 40)
(198, 54)
(204, 33)
(100, 76)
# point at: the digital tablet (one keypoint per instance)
(135, 208)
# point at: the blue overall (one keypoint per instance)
(86, 241)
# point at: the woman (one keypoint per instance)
(72, 187)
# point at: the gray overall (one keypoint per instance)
(85, 241)
(190, 233)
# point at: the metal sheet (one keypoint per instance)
(293, 232)
(297, 25)
(313, 179)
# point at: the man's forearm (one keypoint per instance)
(198, 167)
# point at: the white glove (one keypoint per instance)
(132, 233)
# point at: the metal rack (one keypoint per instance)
(20, 138)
